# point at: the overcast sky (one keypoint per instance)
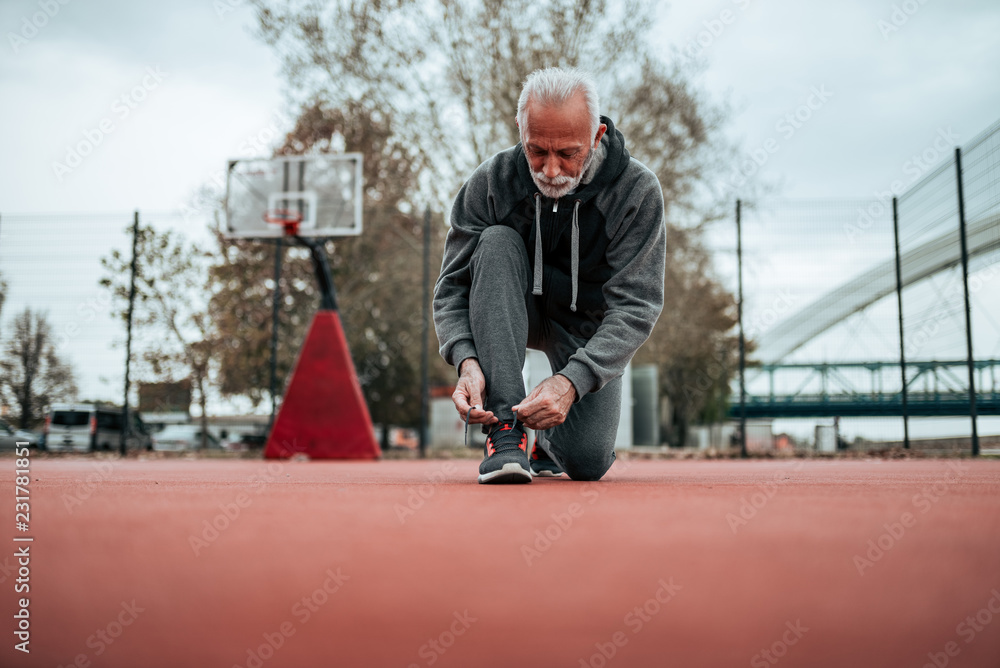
(888, 93)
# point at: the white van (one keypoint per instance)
(89, 427)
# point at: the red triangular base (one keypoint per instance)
(323, 414)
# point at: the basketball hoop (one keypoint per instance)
(287, 219)
(323, 192)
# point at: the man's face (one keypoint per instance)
(558, 144)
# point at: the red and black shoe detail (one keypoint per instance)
(506, 453)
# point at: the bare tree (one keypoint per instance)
(170, 304)
(449, 74)
(33, 374)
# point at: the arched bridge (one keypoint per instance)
(934, 388)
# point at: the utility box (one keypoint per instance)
(826, 438)
(760, 437)
(645, 405)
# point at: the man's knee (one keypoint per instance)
(500, 255)
(589, 468)
(496, 237)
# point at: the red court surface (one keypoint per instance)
(400, 563)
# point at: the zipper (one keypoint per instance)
(551, 245)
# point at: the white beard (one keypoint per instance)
(561, 185)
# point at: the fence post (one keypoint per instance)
(739, 311)
(275, 304)
(970, 360)
(899, 304)
(126, 418)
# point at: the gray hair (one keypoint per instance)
(553, 86)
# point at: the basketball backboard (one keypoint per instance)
(325, 190)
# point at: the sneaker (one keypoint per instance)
(543, 466)
(506, 455)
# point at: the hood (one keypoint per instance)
(615, 162)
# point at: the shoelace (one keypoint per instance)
(496, 448)
(506, 438)
(467, 414)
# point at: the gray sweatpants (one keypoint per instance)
(506, 319)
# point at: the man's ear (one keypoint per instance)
(601, 129)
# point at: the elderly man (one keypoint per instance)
(558, 245)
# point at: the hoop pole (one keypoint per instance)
(275, 312)
(328, 295)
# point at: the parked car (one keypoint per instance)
(9, 437)
(183, 437)
(89, 427)
(254, 440)
(227, 439)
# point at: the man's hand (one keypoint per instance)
(548, 404)
(469, 393)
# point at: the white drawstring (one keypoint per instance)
(537, 289)
(575, 254)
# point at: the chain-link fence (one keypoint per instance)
(835, 305)
(815, 316)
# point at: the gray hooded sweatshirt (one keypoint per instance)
(597, 257)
